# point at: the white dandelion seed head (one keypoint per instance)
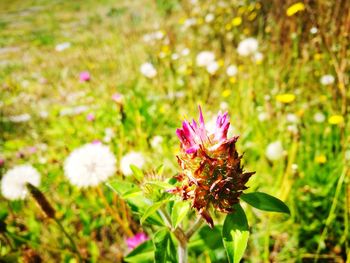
(20, 118)
(13, 183)
(213, 67)
(274, 151)
(132, 158)
(319, 117)
(231, 70)
(148, 70)
(185, 52)
(327, 79)
(90, 165)
(247, 47)
(205, 58)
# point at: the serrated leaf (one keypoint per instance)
(235, 234)
(150, 211)
(265, 202)
(138, 174)
(160, 241)
(179, 211)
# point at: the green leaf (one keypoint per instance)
(179, 211)
(138, 174)
(160, 184)
(265, 202)
(150, 211)
(122, 187)
(235, 234)
(160, 241)
(142, 253)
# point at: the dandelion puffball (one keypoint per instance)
(205, 58)
(247, 47)
(274, 151)
(231, 70)
(13, 183)
(90, 165)
(132, 158)
(148, 70)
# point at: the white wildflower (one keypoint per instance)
(62, 46)
(148, 70)
(213, 67)
(247, 47)
(209, 18)
(313, 30)
(319, 117)
(274, 151)
(205, 58)
(231, 70)
(292, 118)
(263, 116)
(185, 52)
(13, 183)
(90, 165)
(258, 57)
(327, 79)
(20, 118)
(132, 158)
(156, 141)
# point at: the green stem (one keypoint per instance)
(74, 246)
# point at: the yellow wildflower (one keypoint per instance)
(336, 119)
(321, 159)
(226, 93)
(232, 80)
(285, 98)
(236, 21)
(295, 8)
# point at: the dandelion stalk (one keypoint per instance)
(50, 212)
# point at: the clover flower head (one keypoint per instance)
(90, 165)
(212, 171)
(13, 183)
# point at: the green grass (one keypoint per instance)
(106, 39)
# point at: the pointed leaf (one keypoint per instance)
(141, 254)
(235, 234)
(160, 241)
(179, 211)
(265, 202)
(138, 174)
(150, 211)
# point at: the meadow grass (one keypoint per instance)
(106, 39)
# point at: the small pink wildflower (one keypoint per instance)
(117, 97)
(2, 162)
(84, 76)
(90, 117)
(136, 240)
